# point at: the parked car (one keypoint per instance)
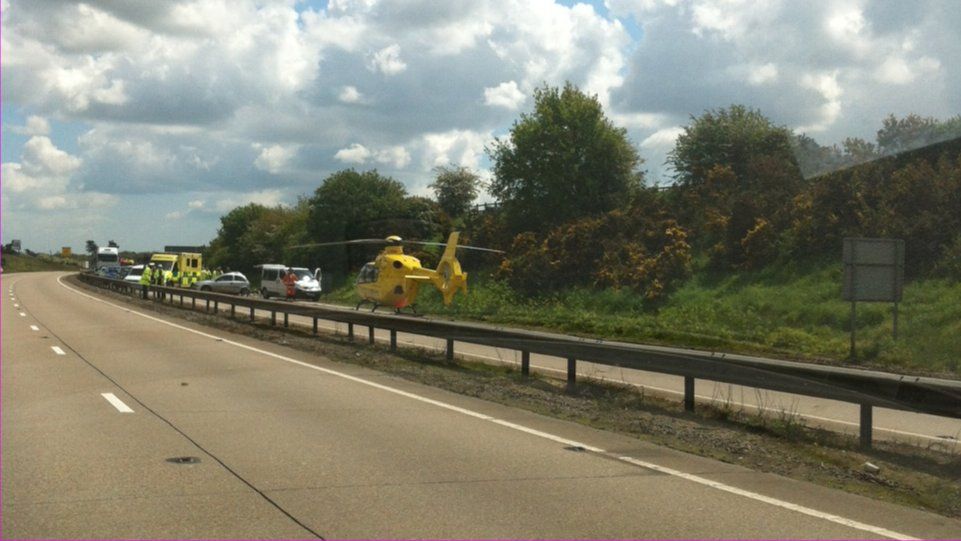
(271, 285)
(231, 282)
(133, 274)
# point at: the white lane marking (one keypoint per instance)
(16, 305)
(117, 403)
(34, 328)
(57, 350)
(766, 499)
(22, 314)
(876, 530)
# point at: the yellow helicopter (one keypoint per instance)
(393, 278)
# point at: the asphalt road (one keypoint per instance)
(293, 446)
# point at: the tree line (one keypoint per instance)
(573, 207)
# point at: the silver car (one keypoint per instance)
(231, 282)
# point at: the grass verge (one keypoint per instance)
(787, 311)
(925, 478)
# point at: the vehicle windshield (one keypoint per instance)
(302, 273)
(108, 258)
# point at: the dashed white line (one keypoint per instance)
(23, 314)
(16, 306)
(34, 328)
(57, 350)
(117, 403)
(876, 530)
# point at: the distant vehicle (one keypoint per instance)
(107, 262)
(184, 263)
(231, 282)
(270, 283)
(133, 274)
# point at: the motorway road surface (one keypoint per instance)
(97, 396)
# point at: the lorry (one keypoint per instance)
(107, 262)
(181, 269)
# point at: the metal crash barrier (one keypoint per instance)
(867, 388)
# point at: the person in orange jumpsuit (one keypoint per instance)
(289, 280)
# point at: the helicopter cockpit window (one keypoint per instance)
(368, 273)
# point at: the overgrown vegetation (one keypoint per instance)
(36, 263)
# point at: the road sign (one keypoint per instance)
(873, 269)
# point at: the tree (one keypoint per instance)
(914, 131)
(351, 205)
(737, 174)
(563, 161)
(455, 188)
(92, 247)
(112, 244)
(227, 249)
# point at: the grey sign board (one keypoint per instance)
(873, 269)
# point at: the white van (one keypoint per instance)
(271, 284)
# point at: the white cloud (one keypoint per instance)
(196, 204)
(267, 198)
(663, 139)
(175, 215)
(505, 95)
(355, 153)
(397, 156)
(274, 159)
(42, 179)
(350, 94)
(763, 74)
(458, 147)
(36, 125)
(387, 61)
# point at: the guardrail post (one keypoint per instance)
(393, 340)
(207, 308)
(370, 334)
(216, 306)
(181, 299)
(251, 314)
(867, 415)
(193, 303)
(350, 332)
(286, 319)
(571, 371)
(525, 363)
(315, 325)
(450, 349)
(273, 317)
(688, 393)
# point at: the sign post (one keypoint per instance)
(873, 272)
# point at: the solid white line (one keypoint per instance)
(477, 415)
(57, 350)
(34, 328)
(766, 499)
(117, 403)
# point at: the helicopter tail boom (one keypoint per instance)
(449, 278)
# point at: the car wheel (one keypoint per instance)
(244, 292)
(315, 298)
(264, 293)
(205, 288)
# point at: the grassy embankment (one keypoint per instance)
(790, 311)
(26, 263)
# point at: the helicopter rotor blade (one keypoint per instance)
(342, 243)
(459, 246)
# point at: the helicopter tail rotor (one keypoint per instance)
(449, 278)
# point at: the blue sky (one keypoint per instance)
(143, 122)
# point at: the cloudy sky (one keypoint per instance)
(144, 121)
